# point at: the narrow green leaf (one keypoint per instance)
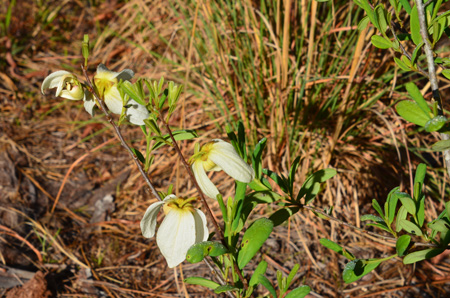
(132, 92)
(416, 53)
(391, 205)
(381, 17)
(179, 135)
(279, 180)
(372, 217)
(337, 248)
(266, 283)
(299, 292)
(380, 42)
(422, 255)
(421, 171)
(406, 6)
(410, 227)
(259, 271)
(225, 288)
(382, 226)
(292, 274)
(401, 64)
(257, 157)
(363, 23)
(253, 239)
(410, 111)
(194, 280)
(377, 207)
(402, 244)
(292, 173)
(447, 209)
(415, 26)
(311, 186)
(138, 155)
(421, 211)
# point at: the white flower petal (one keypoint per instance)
(113, 100)
(175, 236)
(201, 229)
(89, 102)
(105, 74)
(53, 80)
(208, 188)
(224, 155)
(136, 113)
(148, 222)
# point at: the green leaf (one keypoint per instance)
(414, 91)
(380, 42)
(292, 173)
(199, 251)
(381, 17)
(402, 214)
(446, 73)
(391, 205)
(410, 227)
(415, 26)
(436, 123)
(299, 292)
(382, 226)
(132, 91)
(415, 54)
(337, 248)
(408, 202)
(194, 280)
(311, 186)
(356, 269)
(377, 207)
(363, 23)
(257, 159)
(447, 208)
(439, 225)
(406, 6)
(253, 239)
(401, 64)
(259, 271)
(279, 180)
(421, 171)
(372, 217)
(138, 155)
(402, 244)
(225, 288)
(422, 255)
(441, 145)
(266, 283)
(421, 211)
(410, 111)
(292, 275)
(283, 214)
(179, 135)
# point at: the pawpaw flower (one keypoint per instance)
(106, 83)
(182, 227)
(66, 84)
(216, 156)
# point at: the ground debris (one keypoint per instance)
(34, 288)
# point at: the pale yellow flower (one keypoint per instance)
(216, 156)
(182, 227)
(66, 84)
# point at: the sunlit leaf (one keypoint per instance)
(402, 244)
(253, 239)
(422, 255)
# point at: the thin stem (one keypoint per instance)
(119, 135)
(432, 73)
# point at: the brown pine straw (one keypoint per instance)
(74, 164)
(14, 234)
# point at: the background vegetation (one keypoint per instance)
(296, 72)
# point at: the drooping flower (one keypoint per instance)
(106, 82)
(216, 156)
(182, 227)
(66, 83)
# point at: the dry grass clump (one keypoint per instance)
(54, 155)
